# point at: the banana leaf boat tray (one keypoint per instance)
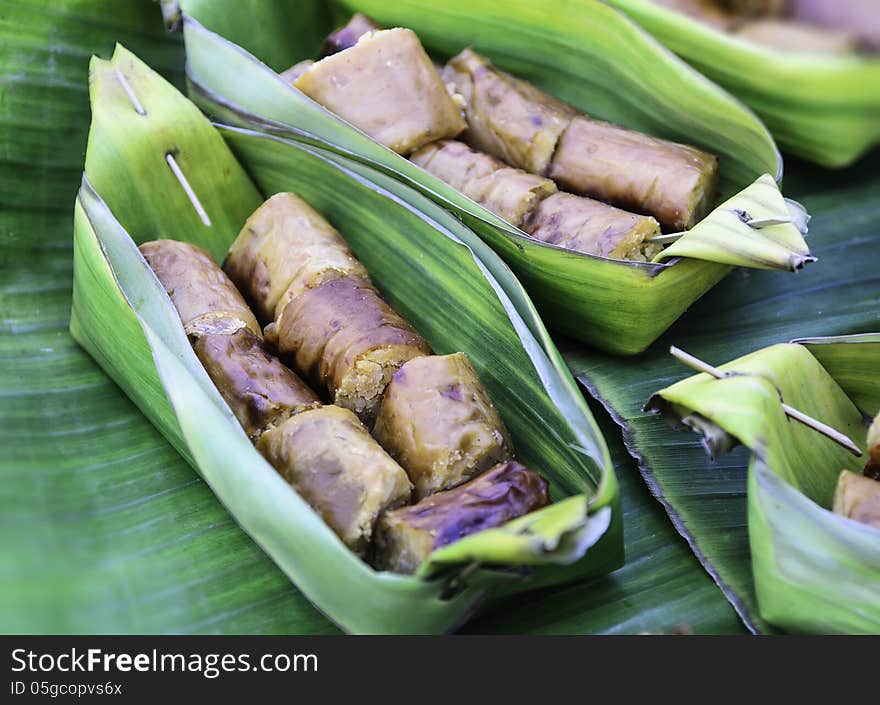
(156, 168)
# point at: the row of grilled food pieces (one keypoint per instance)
(517, 146)
(437, 439)
(815, 26)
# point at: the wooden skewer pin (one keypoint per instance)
(826, 430)
(664, 239)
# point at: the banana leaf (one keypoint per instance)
(618, 306)
(121, 316)
(106, 529)
(850, 359)
(707, 500)
(822, 108)
(814, 571)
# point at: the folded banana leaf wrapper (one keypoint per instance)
(814, 571)
(123, 318)
(597, 60)
(824, 108)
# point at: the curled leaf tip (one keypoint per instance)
(800, 217)
(799, 263)
(756, 228)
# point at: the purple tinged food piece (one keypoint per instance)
(509, 193)
(347, 36)
(439, 423)
(386, 86)
(405, 537)
(337, 467)
(285, 248)
(592, 227)
(672, 182)
(259, 389)
(506, 116)
(346, 338)
(202, 294)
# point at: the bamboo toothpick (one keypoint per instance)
(758, 223)
(766, 222)
(132, 96)
(190, 194)
(664, 239)
(826, 430)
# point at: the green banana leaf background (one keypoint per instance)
(107, 529)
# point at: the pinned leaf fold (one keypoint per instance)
(814, 571)
(756, 228)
